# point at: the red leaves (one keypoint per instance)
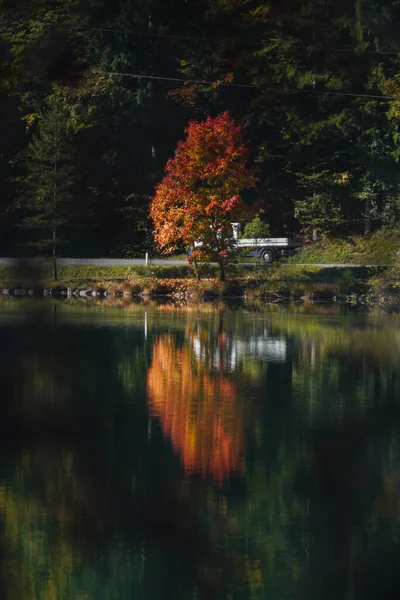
(199, 194)
(198, 410)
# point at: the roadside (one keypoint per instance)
(252, 282)
(353, 269)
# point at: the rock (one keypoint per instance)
(20, 292)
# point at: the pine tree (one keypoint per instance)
(47, 190)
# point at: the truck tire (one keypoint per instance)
(268, 255)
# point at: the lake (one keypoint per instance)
(198, 451)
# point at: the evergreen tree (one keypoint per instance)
(328, 154)
(48, 187)
(313, 65)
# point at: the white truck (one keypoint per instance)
(269, 249)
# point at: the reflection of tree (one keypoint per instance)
(345, 389)
(87, 505)
(54, 521)
(341, 372)
(67, 461)
(197, 409)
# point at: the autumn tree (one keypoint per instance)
(199, 195)
(197, 408)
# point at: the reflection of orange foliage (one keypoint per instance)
(197, 410)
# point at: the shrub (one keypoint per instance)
(256, 228)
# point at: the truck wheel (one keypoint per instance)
(268, 255)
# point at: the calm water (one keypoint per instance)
(198, 452)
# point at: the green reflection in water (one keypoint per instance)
(197, 451)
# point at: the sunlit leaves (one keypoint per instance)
(199, 195)
(198, 409)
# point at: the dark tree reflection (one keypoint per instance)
(250, 454)
(78, 477)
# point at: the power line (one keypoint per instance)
(176, 79)
(246, 86)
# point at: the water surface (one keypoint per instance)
(198, 452)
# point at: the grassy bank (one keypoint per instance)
(386, 285)
(290, 279)
(379, 248)
(257, 281)
(296, 281)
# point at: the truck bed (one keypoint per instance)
(270, 242)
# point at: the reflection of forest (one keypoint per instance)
(91, 505)
(72, 444)
(197, 408)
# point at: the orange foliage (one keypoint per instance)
(197, 410)
(199, 195)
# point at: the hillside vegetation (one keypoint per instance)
(379, 248)
(96, 96)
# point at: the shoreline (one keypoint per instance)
(280, 282)
(205, 290)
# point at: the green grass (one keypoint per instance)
(86, 275)
(293, 280)
(279, 271)
(172, 257)
(256, 280)
(121, 272)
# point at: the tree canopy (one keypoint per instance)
(199, 196)
(315, 82)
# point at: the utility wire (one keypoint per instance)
(246, 85)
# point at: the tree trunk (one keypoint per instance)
(197, 271)
(55, 199)
(314, 231)
(221, 269)
(367, 219)
(55, 275)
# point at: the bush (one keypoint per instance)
(256, 229)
